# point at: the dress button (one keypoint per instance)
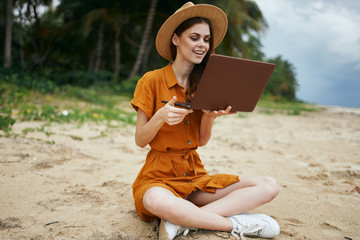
(185, 174)
(189, 142)
(187, 122)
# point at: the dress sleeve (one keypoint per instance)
(144, 96)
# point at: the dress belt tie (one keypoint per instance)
(187, 155)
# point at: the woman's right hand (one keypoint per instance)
(147, 128)
(173, 115)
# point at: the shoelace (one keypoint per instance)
(185, 231)
(250, 229)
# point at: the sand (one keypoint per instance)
(80, 187)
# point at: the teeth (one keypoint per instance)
(198, 52)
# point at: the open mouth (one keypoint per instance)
(199, 52)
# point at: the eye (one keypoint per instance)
(194, 39)
(206, 40)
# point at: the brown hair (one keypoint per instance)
(198, 69)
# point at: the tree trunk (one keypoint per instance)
(148, 26)
(8, 30)
(99, 48)
(117, 55)
(145, 62)
(21, 39)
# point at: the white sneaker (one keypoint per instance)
(168, 230)
(259, 225)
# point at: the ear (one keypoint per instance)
(174, 39)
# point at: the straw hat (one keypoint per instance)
(214, 14)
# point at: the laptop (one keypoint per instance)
(230, 81)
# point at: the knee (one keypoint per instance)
(158, 203)
(270, 188)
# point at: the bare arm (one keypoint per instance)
(146, 128)
(207, 121)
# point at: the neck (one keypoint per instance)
(182, 71)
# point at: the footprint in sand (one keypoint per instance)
(319, 176)
(326, 225)
(114, 184)
(82, 194)
(287, 227)
(10, 222)
(347, 174)
(294, 222)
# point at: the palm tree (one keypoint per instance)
(73, 13)
(20, 24)
(100, 16)
(117, 25)
(283, 81)
(29, 11)
(112, 16)
(8, 34)
(244, 17)
(145, 38)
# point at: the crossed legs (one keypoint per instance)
(208, 210)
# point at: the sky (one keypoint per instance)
(321, 38)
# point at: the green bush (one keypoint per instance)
(127, 86)
(47, 81)
(82, 78)
(6, 121)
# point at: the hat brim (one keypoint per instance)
(214, 14)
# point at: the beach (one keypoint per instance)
(71, 181)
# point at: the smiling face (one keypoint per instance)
(193, 44)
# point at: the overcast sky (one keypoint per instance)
(321, 38)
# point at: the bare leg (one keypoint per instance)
(239, 197)
(164, 204)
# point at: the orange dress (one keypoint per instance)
(172, 162)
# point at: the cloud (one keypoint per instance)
(329, 27)
(322, 39)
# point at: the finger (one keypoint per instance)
(181, 111)
(175, 120)
(176, 117)
(228, 109)
(224, 112)
(172, 101)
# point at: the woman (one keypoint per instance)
(173, 184)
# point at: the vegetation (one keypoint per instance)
(80, 38)
(270, 104)
(80, 60)
(283, 82)
(65, 105)
(79, 105)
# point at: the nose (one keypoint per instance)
(201, 42)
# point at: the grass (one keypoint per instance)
(271, 105)
(66, 105)
(79, 105)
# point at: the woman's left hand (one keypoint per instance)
(214, 114)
